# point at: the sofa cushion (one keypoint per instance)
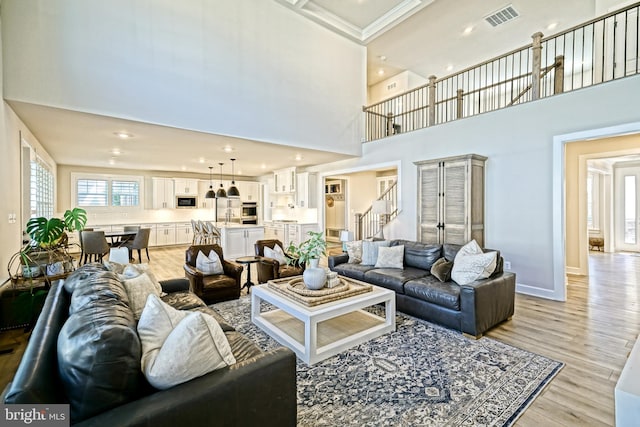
(393, 278)
(81, 274)
(430, 289)
(98, 348)
(138, 289)
(472, 264)
(354, 271)
(354, 250)
(390, 257)
(441, 269)
(242, 347)
(209, 264)
(276, 253)
(179, 345)
(450, 250)
(370, 251)
(419, 255)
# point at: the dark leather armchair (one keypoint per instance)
(269, 268)
(216, 288)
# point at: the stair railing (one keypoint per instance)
(367, 223)
(603, 49)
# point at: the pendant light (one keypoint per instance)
(233, 190)
(210, 194)
(221, 194)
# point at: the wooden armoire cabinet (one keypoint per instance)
(451, 199)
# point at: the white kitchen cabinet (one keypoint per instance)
(249, 191)
(185, 187)
(451, 200)
(163, 193)
(306, 190)
(165, 234)
(184, 233)
(239, 241)
(285, 180)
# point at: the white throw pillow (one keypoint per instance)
(276, 253)
(209, 265)
(354, 249)
(471, 264)
(390, 257)
(138, 290)
(134, 270)
(370, 251)
(178, 345)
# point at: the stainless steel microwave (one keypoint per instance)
(186, 202)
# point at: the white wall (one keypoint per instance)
(11, 130)
(518, 142)
(242, 68)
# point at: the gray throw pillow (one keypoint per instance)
(441, 269)
(370, 251)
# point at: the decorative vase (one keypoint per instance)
(314, 277)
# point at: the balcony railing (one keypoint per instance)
(601, 50)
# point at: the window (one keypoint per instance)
(92, 192)
(593, 201)
(41, 191)
(105, 191)
(125, 193)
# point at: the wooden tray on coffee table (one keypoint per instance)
(293, 288)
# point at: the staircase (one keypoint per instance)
(370, 224)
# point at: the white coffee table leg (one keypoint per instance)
(310, 340)
(255, 306)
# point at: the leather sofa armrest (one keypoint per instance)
(175, 285)
(232, 268)
(193, 271)
(485, 303)
(337, 260)
(258, 391)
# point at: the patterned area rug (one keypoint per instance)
(420, 375)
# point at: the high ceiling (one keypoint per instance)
(424, 36)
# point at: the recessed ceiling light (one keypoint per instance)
(115, 151)
(263, 166)
(239, 171)
(123, 135)
(449, 67)
(184, 168)
(228, 149)
(552, 26)
(201, 160)
(298, 157)
(382, 58)
(381, 72)
(112, 161)
(468, 30)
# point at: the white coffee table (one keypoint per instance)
(316, 333)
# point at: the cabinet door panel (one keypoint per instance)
(430, 203)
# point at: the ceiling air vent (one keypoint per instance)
(501, 16)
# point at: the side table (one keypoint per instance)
(248, 260)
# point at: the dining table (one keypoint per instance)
(119, 237)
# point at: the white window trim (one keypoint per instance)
(75, 176)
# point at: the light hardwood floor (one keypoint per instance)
(592, 333)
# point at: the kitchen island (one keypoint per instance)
(237, 240)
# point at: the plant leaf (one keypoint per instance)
(46, 232)
(75, 219)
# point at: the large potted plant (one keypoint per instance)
(43, 258)
(309, 253)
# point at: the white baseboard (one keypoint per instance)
(537, 292)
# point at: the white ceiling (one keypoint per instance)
(424, 36)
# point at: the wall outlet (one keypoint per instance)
(507, 265)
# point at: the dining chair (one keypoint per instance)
(127, 229)
(141, 241)
(94, 245)
(81, 245)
